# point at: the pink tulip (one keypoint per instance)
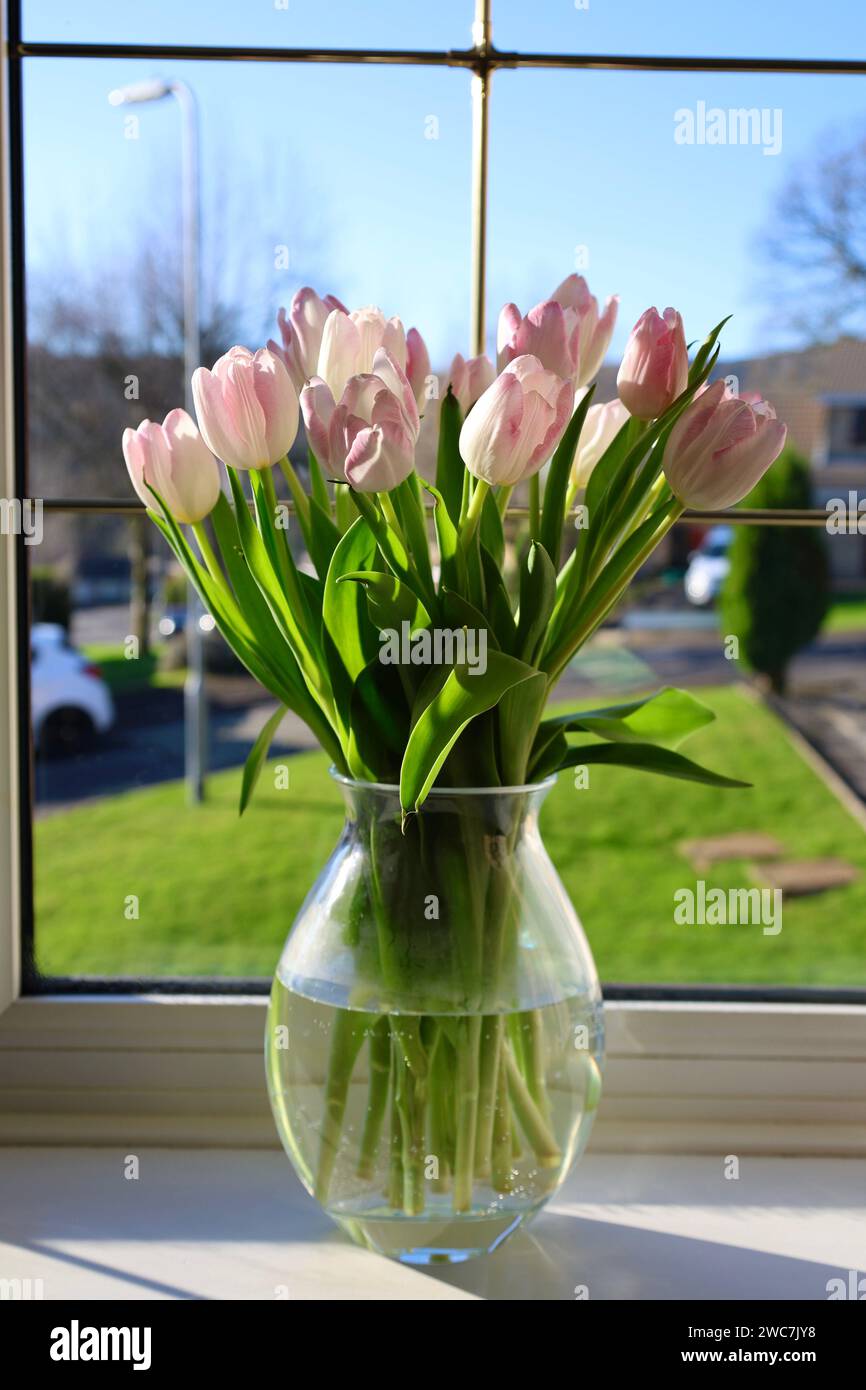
(655, 367)
(369, 436)
(544, 333)
(301, 331)
(247, 408)
(351, 341)
(469, 380)
(173, 459)
(720, 447)
(600, 428)
(517, 423)
(417, 367)
(594, 330)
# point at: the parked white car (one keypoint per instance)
(70, 701)
(708, 567)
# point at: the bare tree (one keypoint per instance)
(105, 345)
(814, 246)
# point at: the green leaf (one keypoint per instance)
(463, 696)
(351, 641)
(389, 602)
(457, 611)
(324, 537)
(537, 595)
(665, 718)
(450, 468)
(391, 547)
(250, 631)
(556, 487)
(410, 510)
(292, 618)
(646, 757)
(497, 603)
(547, 754)
(519, 712)
(257, 757)
(452, 562)
(379, 721)
(702, 356)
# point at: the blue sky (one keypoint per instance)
(335, 163)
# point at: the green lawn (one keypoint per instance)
(218, 895)
(846, 615)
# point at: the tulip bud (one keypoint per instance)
(469, 380)
(517, 423)
(544, 333)
(655, 367)
(301, 332)
(417, 367)
(600, 428)
(173, 459)
(720, 447)
(351, 341)
(594, 330)
(369, 436)
(247, 408)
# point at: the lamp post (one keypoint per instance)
(194, 697)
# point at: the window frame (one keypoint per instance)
(766, 1069)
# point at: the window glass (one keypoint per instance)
(733, 194)
(381, 221)
(773, 29)
(274, 23)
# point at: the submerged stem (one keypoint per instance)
(488, 1071)
(377, 1097)
(468, 1036)
(350, 1029)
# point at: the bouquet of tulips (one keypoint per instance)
(385, 615)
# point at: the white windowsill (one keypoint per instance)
(237, 1225)
(776, 1079)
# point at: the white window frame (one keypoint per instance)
(172, 1069)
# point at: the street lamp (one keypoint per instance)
(194, 700)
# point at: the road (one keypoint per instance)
(146, 746)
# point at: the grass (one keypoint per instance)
(217, 895)
(123, 675)
(846, 615)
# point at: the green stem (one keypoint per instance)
(502, 1154)
(349, 1030)
(392, 519)
(207, 554)
(299, 497)
(410, 1102)
(473, 514)
(558, 659)
(345, 514)
(533, 1123)
(441, 1091)
(280, 539)
(395, 1170)
(488, 1071)
(503, 499)
(535, 506)
(377, 1097)
(466, 1100)
(532, 1028)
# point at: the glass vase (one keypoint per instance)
(434, 1041)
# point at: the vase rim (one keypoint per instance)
(543, 785)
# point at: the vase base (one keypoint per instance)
(421, 1241)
